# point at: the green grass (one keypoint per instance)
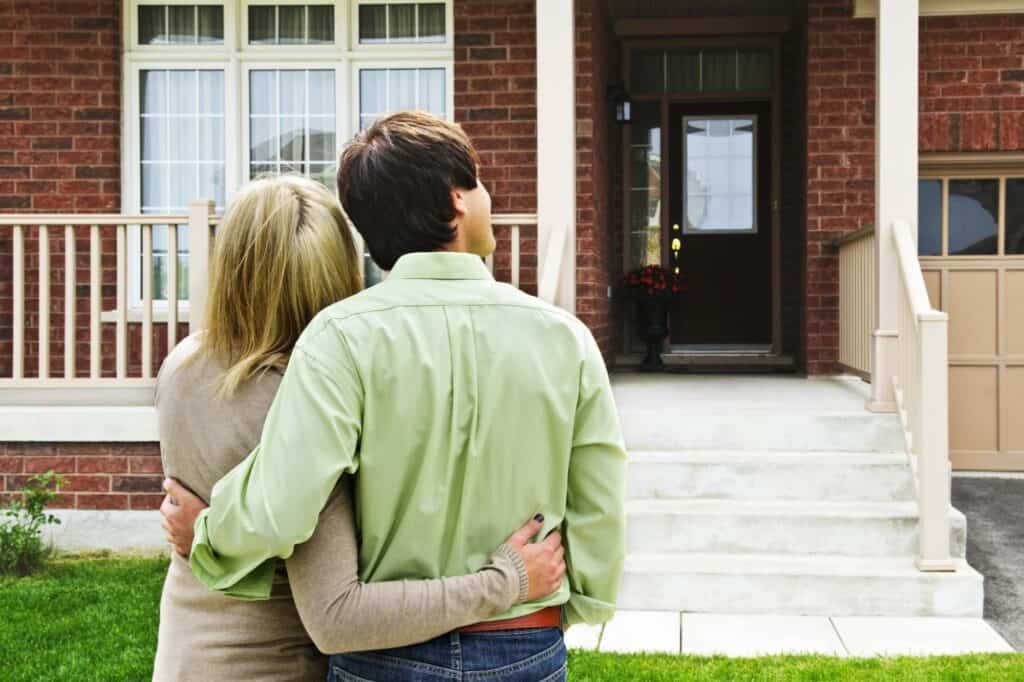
(96, 619)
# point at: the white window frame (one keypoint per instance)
(237, 58)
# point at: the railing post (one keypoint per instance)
(896, 169)
(199, 213)
(556, 148)
(932, 445)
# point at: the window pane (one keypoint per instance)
(648, 72)
(292, 92)
(182, 92)
(719, 187)
(262, 139)
(755, 70)
(151, 24)
(973, 217)
(182, 140)
(432, 91)
(211, 24)
(401, 22)
(321, 141)
(154, 187)
(684, 71)
(1015, 217)
(211, 138)
(291, 24)
(321, 24)
(293, 139)
(211, 92)
(373, 98)
(261, 25)
(262, 92)
(432, 23)
(719, 70)
(645, 181)
(401, 89)
(373, 23)
(321, 92)
(929, 218)
(181, 26)
(154, 138)
(154, 92)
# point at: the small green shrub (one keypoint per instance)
(22, 549)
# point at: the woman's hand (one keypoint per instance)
(180, 509)
(545, 560)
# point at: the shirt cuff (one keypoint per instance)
(506, 551)
(234, 577)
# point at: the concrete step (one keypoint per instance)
(818, 585)
(759, 429)
(767, 475)
(855, 529)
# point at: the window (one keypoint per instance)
(181, 24)
(719, 177)
(402, 22)
(701, 70)
(971, 214)
(221, 92)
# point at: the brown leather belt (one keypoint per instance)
(551, 617)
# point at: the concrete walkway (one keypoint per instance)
(703, 634)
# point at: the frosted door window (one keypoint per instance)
(182, 155)
(719, 189)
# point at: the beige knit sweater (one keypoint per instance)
(319, 605)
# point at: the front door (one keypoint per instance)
(720, 227)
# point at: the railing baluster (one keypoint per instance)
(172, 286)
(44, 302)
(94, 302)
(147, 301)
(18, 357)
(122, 304)
(69, 301)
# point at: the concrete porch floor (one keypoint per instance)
(737, 635)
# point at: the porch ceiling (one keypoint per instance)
(644, 9)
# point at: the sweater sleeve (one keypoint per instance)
(342, 614)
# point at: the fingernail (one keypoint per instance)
(539, 518)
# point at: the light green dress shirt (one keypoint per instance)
(463, 407)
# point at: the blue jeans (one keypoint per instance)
(535, 655)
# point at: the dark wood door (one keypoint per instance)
(720, 222)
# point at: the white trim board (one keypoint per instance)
(863, 9)
(87, 530)
(75, 424)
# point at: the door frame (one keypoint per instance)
(666, 99)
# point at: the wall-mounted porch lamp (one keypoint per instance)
(622, 102)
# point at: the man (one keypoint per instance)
(461, 405)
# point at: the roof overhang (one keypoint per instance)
(947, 8)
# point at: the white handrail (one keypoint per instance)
(921, 386)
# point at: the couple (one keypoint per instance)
(417, 425)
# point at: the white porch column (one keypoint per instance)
(556, 152)
(896, 167)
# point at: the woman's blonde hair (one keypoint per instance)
(282, 253)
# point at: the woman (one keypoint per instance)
(284, 251)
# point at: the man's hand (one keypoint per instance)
(180, 509)
(545, 560)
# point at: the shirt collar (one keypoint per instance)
(440, 265)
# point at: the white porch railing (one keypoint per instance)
(100, 369)
(32, 237)
(921, 387)
(858, 314)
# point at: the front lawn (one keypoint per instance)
(96, 619)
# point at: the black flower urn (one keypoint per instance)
(652, 328)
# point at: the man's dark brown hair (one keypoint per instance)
(395, 182)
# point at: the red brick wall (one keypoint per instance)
(596, 144)
(60, 105)
(971, 99)
(495, 102)
(98, 475)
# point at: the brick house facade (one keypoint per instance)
(62, 119)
